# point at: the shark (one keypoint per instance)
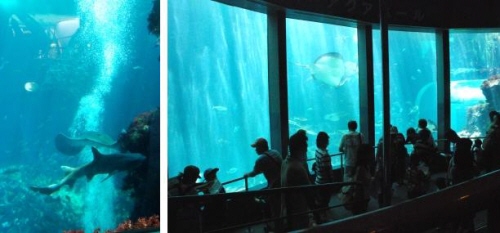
(74, 145)
(101, 164)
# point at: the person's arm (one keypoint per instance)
(342, 144)
(252, 173)
(257, 169)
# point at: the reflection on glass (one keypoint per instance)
(217, 88)
(412, 71)
(323, 74)
(474, 58)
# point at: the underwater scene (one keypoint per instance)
(80, 97)
(218, 97)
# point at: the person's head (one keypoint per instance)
(298, 143)
(411, 135)
(260, 145)
(464, 144)
(422, 123)
(322, 140)
(190, 175)
(210, 174)
(352, 125)
(478, 142)
(394, 130)
(452, 136)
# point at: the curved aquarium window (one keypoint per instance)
(412, 72)
(474, 64)
(323, 91)
(217, 88)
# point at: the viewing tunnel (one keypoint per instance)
(241, 70)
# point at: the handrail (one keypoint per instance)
(197, 198)
(233, 180)
(227, 196)
(331, 155)
(246, 178)
(428, 211)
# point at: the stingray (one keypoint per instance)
(73, 145)
(330, 69)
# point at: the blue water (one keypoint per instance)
(98, 78)
(218, 91)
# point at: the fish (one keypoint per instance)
(219, 108)
(431, 125)
(74, 145)
(332, 117)
(101, 164)
(331, 69)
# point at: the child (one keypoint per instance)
(477, 149)
(417, 179)
(212, 184)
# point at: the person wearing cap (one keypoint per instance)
(269, 163)
(212, 184)
(214, 209)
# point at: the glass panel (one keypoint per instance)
(323, 74)
(412, 71)
(474, 57)
(217, 88)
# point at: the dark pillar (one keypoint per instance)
(366, 96)
(384, 36)
(443, 86)
(278, 89)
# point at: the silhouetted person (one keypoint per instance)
(269, 163)
(363, 176)
(399, 155)
(425, 149)
(461, 169)
(349, 145)
(491, 143)
(324, 174)
(184, 217)
(214, 208)
(417, 179)
(477, 149)
(294, 173)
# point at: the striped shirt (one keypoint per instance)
(323, 167)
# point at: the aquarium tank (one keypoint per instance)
(218, 97)
(75, 74)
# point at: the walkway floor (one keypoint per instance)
(399, 195)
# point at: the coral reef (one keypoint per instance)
(152, 222)
(491, 90)
(154, 19)
(478, 115)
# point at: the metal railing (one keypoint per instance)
(199, 200)
(428, 211)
